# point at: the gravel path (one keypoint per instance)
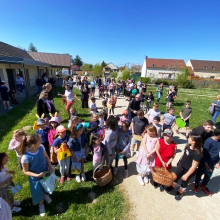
(149, 203)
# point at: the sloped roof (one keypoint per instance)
(7, 50)
(164, 63)
(59, 60)
(207, 65)
(112, 66)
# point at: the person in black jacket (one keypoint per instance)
(52, 81)
(44, 106)
(85, 95)
(39, 84)
(134, 106)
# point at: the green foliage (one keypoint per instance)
(103, 64)
(126, 74)
(114, 74)
(87, 67)
(97, 70)
(145, 79)
(32, 47)
(164, 81)
(77, 61)
(182, 79)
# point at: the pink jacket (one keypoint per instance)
(13, 145)
(51, 135)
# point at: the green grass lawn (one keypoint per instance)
(71, 200)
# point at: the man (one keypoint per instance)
(139, 85)
(154, 112)
(19, 83)
(99, 81)
(134, 106)
(39, 84)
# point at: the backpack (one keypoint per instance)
(211, 109)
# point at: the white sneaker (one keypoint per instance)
(146, 180)
(16, 203)
(47, 199)
(42, 210)
(10, 107)
(83, 177)
(132, 153)
(137, 152)
(78, 178)
(126, 173)
(15, 209)
(140, 180)
(115, 170)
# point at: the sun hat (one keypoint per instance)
(125, 112)
(168, 132)
(80, 125)
(41, 121)
(60, 128)
(54, 119)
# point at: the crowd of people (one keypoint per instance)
(141, 129)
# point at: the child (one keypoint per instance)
(101, 119)
(73, 122)
(14, 143)
(57, 114)
(12, 95)
(5, 182)
(105, 109)
(43, 132)
(4, 95)
(78, 146)
(124, 117)
(168, 119)
(112, 105)
(98, 151)
(149, 98)
(142, 99)
(208, 163)
(111, 139)
(62, 139)
(158, 126)
(93, 108)
(106, 96)
(186, 168)
(94, 123)
(123, 146)
(101, 91)
(35, 163)
(115, 98)
(169, 105)
(73, 112)
(146, 158)
(185, 114)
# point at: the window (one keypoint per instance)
(213, 68)
(163, 65)
(153, 64)
(206, 67)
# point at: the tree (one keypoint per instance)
(114, 74)
(87, 67)
(136, 68)
(97, 70)
(77, 61)
(103, 64)
(32, 48)
(182, 79)
(126, 74)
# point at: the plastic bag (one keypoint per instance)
(14, 189)
(49, 183)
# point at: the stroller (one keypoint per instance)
(101, 91)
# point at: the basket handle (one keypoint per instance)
(98, 168)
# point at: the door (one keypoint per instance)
(11, 80)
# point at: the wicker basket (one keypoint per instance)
(102, 177)
(163, 176)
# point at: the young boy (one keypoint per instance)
(12, 95)
(185, 114)
(208, 163)
(169, 119)
(169, 105)
(157, 125)
(92, 107)
(4, 95)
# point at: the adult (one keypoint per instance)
(44, 106)
(48, 88)
(93, 82)
(52, 81)
(69, 98)
(134, 106)
(159, 91)
(216, 112)
(153, 112)
(45, 79)
(129, 87)
(85, 96)
(139, 85)
(70, 82)
(39, 84)
(19, 81)
(99, 81)
(119, 85)
(111, 88)
(134, 91)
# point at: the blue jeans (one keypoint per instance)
(39, 89)
(215, 115)
(118, 91)
(19, 87)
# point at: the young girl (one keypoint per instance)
(187, 165)
(112, 105)
(73, 122)
(146, 157)
(62, 138)
(149, 98)
(73, 113)
(58, 116)
(115, 98)
(35, 163)
(105, 109)
(101, 119)
(165, 150)
(122, 146)
(78, 146)
(5, 182)
(94, 123)
(124, 117)
(13, 145)
(111, 139)
(98, 151)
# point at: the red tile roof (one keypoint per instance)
(164, 63)
(58, 60)
(207, 65)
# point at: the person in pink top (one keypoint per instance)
(13, 145)
(124, 117)
(111, 88)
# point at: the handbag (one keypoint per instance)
(49, 183)
(63, 153)
(137, 137)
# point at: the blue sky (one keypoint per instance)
(121, 31)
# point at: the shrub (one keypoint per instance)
(188, 84)
(145, 79)
(126, 74)
(164, 81)
(114, 74)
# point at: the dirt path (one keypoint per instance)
(149, 203)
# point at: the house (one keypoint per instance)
(205, 68)
(29, 65)
(161, 68)
(110, 68)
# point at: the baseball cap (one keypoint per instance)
(41, 121)
(168, 132)
(61, 128)
(125, 112)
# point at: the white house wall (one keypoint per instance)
(155, 73)
(144, 69)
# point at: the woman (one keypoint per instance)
(111, 88)
(69, 97)
(48, 88)
(134, 91)
(217, 109)
(44, 106)
(85, 96)
(119, 87)
(93, 82)
(165, 150)
(159, 91)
